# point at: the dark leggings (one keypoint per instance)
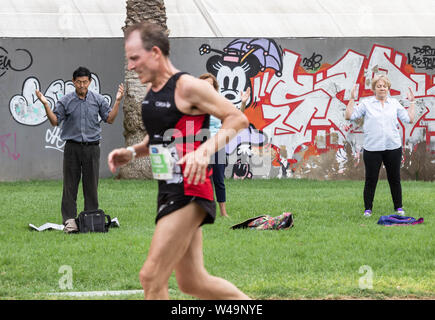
(219, 175)
(373, 161)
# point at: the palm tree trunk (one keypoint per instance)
(134, 131)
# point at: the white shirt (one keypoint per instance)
(381, 127)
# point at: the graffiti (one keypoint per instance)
(241, 170)
(313, 63)
(28, 110)
(24, 57)
(422, 58)
(5, 148)
(52, 137)
(302, 112)
(241, 60)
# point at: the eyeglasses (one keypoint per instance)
(80, 83)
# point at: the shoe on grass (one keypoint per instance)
(368, 213)
(400, 212)
(70, 226)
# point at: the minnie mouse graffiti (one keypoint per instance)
(241, 60)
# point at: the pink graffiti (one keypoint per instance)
(5, 148)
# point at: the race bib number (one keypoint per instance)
(161, 162)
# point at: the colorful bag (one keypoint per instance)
(396, 220)
(282, 221)
(266, 222)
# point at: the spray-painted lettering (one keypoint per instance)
(301, 112)
(23, 56)
(53, 140)
(28, 110)
(5, 145)
(422, 58)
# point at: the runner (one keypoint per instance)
(180, 103)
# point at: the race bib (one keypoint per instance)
(161, 162)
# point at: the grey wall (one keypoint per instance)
(296, 108)
(29, 147)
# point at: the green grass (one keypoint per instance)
(319, 258)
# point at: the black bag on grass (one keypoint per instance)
(93, 221)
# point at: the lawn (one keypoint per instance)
(332, 252)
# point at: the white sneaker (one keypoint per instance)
(368, 213)
(400, 212)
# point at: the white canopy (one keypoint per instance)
(300, 18)
(224, 18)
(62, 18)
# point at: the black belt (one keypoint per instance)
(88, 143)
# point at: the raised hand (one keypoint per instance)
(411, 96)
(349, 108)
(353, 92)
(245, 95)
(120, 92)
(41, 97)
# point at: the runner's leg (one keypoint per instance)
(193, 278)
(171, 239)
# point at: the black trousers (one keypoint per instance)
(219, 175)
(80, 161)
(372, 162)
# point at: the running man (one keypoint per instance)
(180, 103)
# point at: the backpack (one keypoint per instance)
(397, 220)
(266, 222)
(93, 221)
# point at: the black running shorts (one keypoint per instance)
(170, 202)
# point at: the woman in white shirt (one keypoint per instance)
(382, 142)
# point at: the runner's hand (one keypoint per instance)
(118, 158)
(196, 163)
